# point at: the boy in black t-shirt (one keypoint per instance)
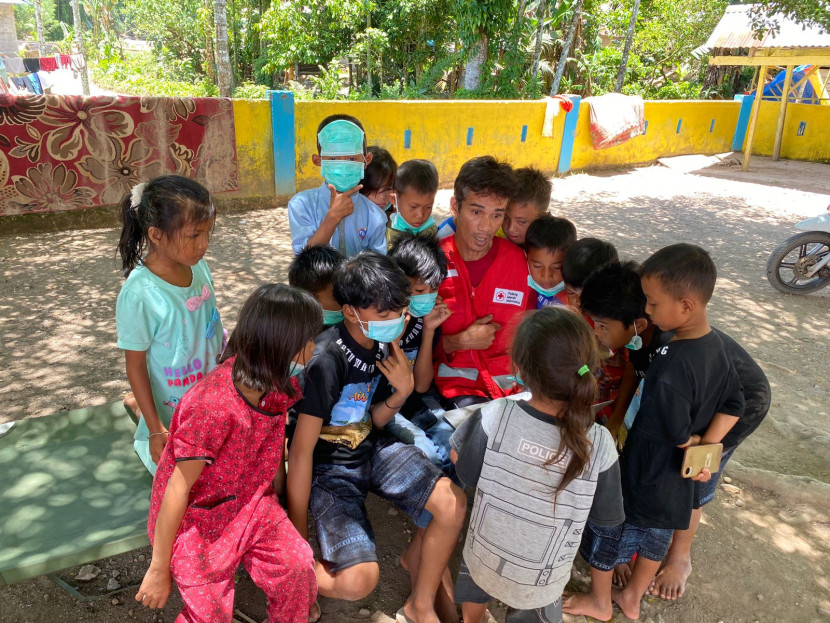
(421, 422)
(613, 298)
(338, 454)
(691, 395)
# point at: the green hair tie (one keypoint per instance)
(583, 370)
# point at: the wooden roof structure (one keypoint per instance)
(792, 45)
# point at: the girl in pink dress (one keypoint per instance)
(213, 503)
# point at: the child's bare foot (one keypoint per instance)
(627, 601)
(589, 605)
(670, 582)
(621, 574)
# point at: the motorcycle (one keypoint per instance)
(801, 264)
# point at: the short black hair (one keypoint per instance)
(370, 279)
(340, 117)
(614, 292)
(313, 268)
(274, 324)
(485, 176)
(534, 187)
(584, 257)
(683, 269)
(551, 233)
(420, 257)
(419, 175)
(379, 172)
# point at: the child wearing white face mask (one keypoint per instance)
(336, 213)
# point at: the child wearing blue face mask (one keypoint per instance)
(421, 421)
(416, 184)
(336, 213)
(547, 240)
(340, 452)
(313, 270)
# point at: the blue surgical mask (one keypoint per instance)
(421, 304)
(516, 379)
(399, 224)
(295, 368)
(332, 317)
(636, 342)
(384, 331)
(545, 291)
(342, 174)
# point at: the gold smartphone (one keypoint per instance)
(695, 458)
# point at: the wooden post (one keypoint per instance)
(753, 119)
(782, 113)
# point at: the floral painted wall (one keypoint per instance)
(69, 152)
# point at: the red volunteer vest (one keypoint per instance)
(504, 293)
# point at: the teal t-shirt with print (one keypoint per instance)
(181, 331)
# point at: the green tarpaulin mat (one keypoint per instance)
(72, 491)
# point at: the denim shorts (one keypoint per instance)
(606, 547)
(395, 472)
(466, 590)
(705, 491)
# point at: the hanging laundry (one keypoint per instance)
(78, 62)
(48, 63)
(46, 81)
(31, 65)
(36, 86)
(14, 65)
(22, 83)
(66, 61)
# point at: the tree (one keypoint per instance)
(223, 61)
(629, 38)
(566, 48)
(765, 13)
(481, 23)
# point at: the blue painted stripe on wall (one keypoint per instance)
(407, 138)
(645, 127)
(469, 136)
(282, 128)
(679, 125)
(743, 121)
(569, 135)
(712, 126)
(524, 133)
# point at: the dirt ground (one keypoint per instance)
(765, 560)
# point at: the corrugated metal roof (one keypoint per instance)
(734, 31)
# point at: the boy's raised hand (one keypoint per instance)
(397, 370)
(437, 316)
(342, 204)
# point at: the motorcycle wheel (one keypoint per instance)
(792, 260)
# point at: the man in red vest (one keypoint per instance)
(486, 288)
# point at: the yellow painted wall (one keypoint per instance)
(813, 145)
(439, 133)
(254, 149)
(661, 138)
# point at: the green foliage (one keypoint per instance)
(807, 12)
(329, 82)
(295, 34)
(251, 91)
(138, 74)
